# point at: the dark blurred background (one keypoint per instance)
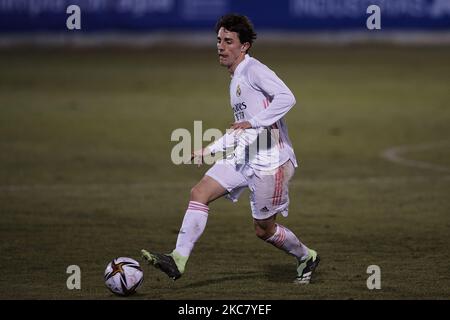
(29, 20)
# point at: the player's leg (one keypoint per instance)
(269, 197)
(193, 225)
(207, 190)
(265, 228)
(284, 239)
(280, 236)
(195, 218)
(218, 181)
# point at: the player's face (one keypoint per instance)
(229, 48)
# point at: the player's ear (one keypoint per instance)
(245, 47)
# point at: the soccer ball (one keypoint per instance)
(123, 276)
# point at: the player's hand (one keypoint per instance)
(198, 155)
(241, 125)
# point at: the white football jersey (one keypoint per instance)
(257, 95)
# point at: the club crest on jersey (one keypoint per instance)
(238, 91)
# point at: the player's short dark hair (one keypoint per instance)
(238, 23)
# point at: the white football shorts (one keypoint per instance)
(269, 192)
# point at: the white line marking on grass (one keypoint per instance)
(395, 154)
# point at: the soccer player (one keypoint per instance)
(259, 100)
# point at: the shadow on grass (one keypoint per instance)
(232, 277)
(134, 296)
(282, 272)
(279, 273)
(286, 273)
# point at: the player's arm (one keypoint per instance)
(262, 78)
(228, 140)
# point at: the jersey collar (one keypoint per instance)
(241, 65)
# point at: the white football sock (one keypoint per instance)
(194, 223)
(287, 241)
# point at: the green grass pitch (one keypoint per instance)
(86, 176)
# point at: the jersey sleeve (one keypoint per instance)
(228, 140)
(282, 99)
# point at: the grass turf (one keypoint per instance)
(86, 176)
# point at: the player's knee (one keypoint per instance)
(261, 233)
(199, 195)
(264, 229)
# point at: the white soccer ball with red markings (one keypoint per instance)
(123, 276)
